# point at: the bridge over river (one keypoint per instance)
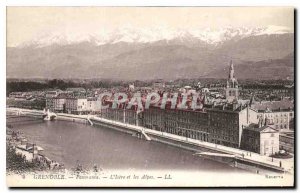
(70, 142)
(221, 153)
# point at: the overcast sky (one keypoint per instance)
(25, 23)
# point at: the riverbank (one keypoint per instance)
(240, 158)
(72, 118)
(23, 156)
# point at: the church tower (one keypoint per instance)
(232, 90)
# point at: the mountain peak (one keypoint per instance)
(142, 35)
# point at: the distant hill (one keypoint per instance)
(266, 69)
(263, 56)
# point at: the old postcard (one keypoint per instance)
(150, 97)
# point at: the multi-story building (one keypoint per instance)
(93, 105)
(220, 124)
(59, 104)
(260, 139)
(225, 122)
(213, 125)
(279, 113)
(128, 116)
(50, 103)
(76, 105)
(226, 126)
(50, 99)
(188, 123)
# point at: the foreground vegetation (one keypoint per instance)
(17, 163)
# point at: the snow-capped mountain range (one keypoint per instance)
(143, 35)
(138, 54)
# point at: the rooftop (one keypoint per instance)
(254, 127)
(274, 105)
(78, 89)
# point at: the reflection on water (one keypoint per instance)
(67, 142)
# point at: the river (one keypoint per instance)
(71, 143)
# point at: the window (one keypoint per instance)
(272, 135)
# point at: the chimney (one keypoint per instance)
(266, 121)
(260, 120)
(235, 106)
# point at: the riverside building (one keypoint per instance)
(221, 123)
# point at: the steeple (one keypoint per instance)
(251, 99)
(231, 71)
(232, 92)
(231, 82)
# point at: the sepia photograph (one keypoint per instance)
(150, 96)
